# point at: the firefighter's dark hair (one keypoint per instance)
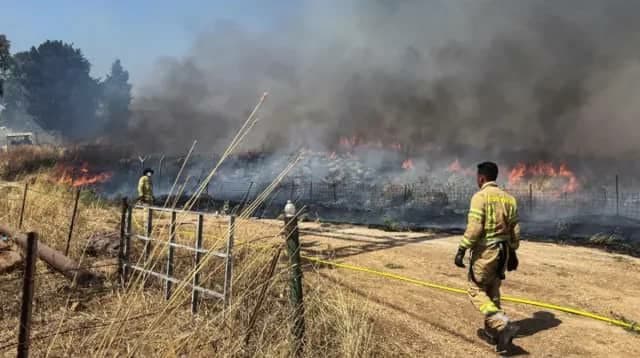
(489, 170)
(147, 170)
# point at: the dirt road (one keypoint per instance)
(426, 322)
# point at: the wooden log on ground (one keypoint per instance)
(56, 259)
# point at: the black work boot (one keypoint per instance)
(488, 334)
(505, 338)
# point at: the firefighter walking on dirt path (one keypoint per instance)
(145, 187)
(493, 236)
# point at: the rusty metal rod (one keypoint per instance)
(263, 294)
(24, 204)
(73, 222)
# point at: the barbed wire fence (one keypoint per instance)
(51, 291)
(413, 198)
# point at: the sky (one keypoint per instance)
(137, 32)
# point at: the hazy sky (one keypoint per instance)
(136, 31)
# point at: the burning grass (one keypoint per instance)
(70, 166)
(111, 321)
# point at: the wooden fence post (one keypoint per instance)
(171, 249)
(195, 295)
(228, 268)
(295, 286)
(27, 295)
(24, 204)
(73, 221)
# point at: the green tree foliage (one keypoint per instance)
(5, 61)
(116, 98)
(60, 94)
(5, 56)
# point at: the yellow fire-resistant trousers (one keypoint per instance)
(485, 291)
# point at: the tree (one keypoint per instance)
(116, 98)
(60, 94)
(5, 61)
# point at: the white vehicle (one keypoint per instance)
(18, 139)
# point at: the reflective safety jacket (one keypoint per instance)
(493, 218)
(145, 189)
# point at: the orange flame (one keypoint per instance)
(84, 176)
(455, 167)
(517, 173)
(544, 170)
(407, 164)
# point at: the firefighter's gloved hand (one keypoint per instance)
(512, 264)
(459, 261)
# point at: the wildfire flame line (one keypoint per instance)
(78, 177)
(544, 171)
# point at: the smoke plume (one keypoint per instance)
(490, 77)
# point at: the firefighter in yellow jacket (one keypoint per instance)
(145, 187)
(492, 235)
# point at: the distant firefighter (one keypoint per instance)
(145, 187)
(493, 236)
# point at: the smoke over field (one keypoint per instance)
(491, 77)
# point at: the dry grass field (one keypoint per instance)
(348, 314)
(109, 320)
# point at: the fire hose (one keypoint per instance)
(627, 325)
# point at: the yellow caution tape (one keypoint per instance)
(630, 326)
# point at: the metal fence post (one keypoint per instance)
(149, 230)
(123, 234)
(27, 295)
(171, 249)
(295, 286)
(228, 269)
(127, 242)
(159, 176)
(73, 221)
(311, 191)
(617, 197)
(530, 199)
(246, 197)
(335, 196)
(24, 204)
(195, 295)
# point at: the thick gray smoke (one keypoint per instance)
(489, 76)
